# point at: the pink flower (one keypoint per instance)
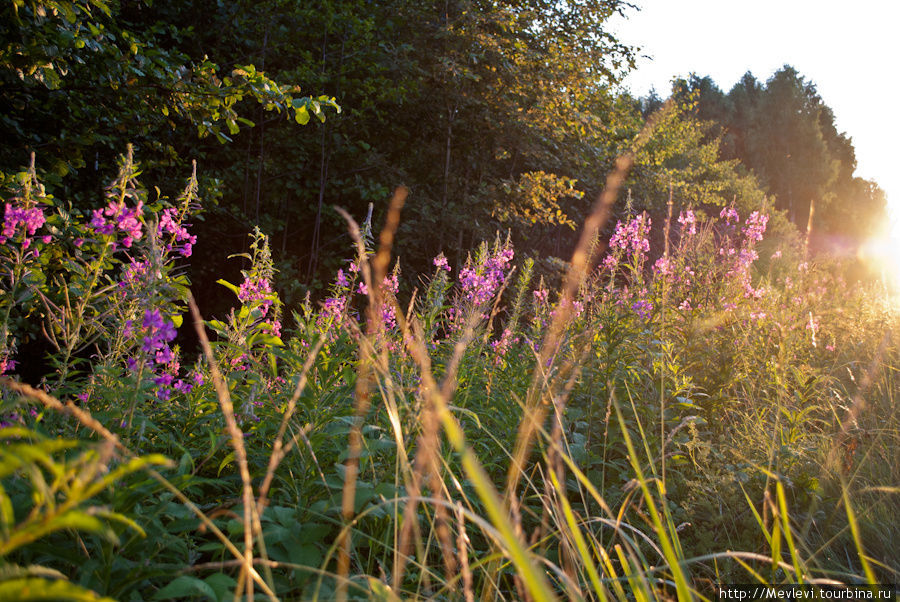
(755, 226)
(688, 221)
(342, 279)
(440, 262)
(729, 214)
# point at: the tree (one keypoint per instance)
(81, 78)
(786, 135)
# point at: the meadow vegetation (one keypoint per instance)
(660, 420)
(593, 346)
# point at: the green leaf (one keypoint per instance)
(218, 326)
(72, 519)
(266, 339)
(225, 462)
(186, 587)
(222, 585)
(234, 289)
(302, 115)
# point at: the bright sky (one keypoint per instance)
(849, 50)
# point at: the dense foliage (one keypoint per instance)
(785, 134)
(496, 115)
(670, 424)
(700, 396)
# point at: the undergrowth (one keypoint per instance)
(656, 428)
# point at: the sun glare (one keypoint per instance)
(882, 253)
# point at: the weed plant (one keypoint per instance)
(661, 426)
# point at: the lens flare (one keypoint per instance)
(882, 253)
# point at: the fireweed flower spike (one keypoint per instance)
(481, 282)
(440, 262)
(31, 219)
(688, 222)
(117, 216)
(729, 214)
(180, 241)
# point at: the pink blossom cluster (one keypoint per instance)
(6, 363)
(729, 214)
(755, 226)
(30, 219)
(576, 310)
(156, 334)
(135, 275)
(180, 241)
(629, 239)
(688, 222)
(481, 282)
(664, 266)
(440, 262)
(117, 216)
(632, 235)
(333, 308)
(388, 311)
(501, 346)
(256, 289)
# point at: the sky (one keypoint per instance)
(849, 50)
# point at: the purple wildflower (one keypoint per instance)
(755, 226)
(729, 214)
(440, 262)
(257, 289)
(663, 266)
(481, 282)
(642, 308)
(181, 241)
(342, 279)
(688, 222)
(29, 218)
(117, 216)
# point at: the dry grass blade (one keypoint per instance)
(578, 267)
(535, 580)
(251, 518)
(373, 276)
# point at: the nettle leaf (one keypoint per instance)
(185, 587)
(222, 585)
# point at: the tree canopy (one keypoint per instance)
(496, 115)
